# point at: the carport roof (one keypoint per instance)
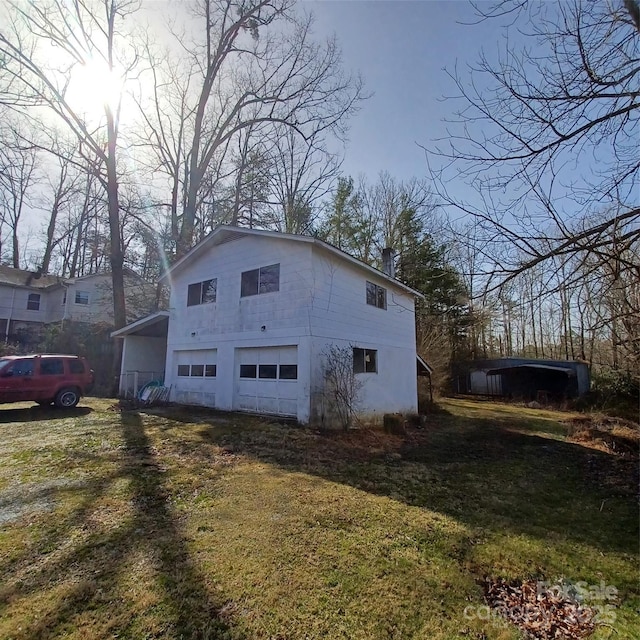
(547, 367)
(154, 326)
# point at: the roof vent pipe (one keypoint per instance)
(388, 262)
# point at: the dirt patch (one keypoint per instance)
(29, 499)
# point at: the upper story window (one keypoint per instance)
(262, 280)
(376, 295)
(365, 360)
(33, 303)
(82, 297)
(202, 292)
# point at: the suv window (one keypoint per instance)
(20, 368)
(51, 367)
(76, 366)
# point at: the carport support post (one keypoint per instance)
(135, 385)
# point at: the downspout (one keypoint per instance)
(65, 286)
(13, 297)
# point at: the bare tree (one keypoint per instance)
(303, 172)
(42, 44)
(18, 164)
(548, 133)
(342, 387)
(252, 65)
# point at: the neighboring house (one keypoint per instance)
(252, 314)
(524, 378)
(29, 300)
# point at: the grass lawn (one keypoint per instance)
(175, 524)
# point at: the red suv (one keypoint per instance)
(61, 379)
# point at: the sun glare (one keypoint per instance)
(93, 86)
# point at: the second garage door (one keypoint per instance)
(266, 380)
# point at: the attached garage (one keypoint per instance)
(266, 380)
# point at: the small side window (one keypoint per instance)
(365, 360)
(33, 303)
(82, 297)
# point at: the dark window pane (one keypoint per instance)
(358, 360)
(76, 366)
(288, 372)
(371, 293)
(193, 294)
(209, 290)
(33, 303)
(183, 369)
(382, 298)
(197, 370)
(371, 361)
(51, 367)
(269, 371)
(248, 370)
(21, 368)
(249, 285)
(270, 278)
(210, 370)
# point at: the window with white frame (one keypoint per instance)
(202, 292)
(262, 280)
(376, 295)
(33, 302)
(82, 297)
(365, 360)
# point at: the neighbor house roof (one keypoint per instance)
(224, 233)
(21, 278)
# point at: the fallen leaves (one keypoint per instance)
(543, 614)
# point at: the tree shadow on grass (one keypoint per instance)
(79, 565)
(492, 474)
(38, 413)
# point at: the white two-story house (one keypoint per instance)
(252, 316)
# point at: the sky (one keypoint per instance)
(402, 49)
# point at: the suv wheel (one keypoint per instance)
(67, 398)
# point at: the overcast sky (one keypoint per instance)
(402, 48)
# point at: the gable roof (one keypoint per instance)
(225, 233)
(22, 278)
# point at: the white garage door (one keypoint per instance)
(195, 377)
(266, 380)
